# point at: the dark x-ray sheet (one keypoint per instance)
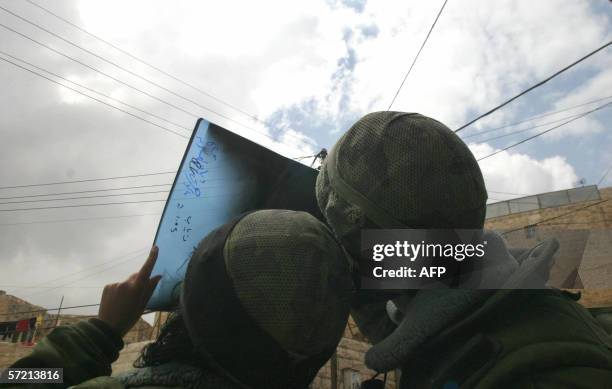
(221, 176)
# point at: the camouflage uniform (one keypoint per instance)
(400, 170)
(265, 301)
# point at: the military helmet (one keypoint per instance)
(266, 298)
(399, 170)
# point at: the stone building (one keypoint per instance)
(13, 309)
(12, 306)
(581, 219)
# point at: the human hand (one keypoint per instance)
(123, 303)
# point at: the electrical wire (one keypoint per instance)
(514, 201)
(125, 83)
(96, 99)
(83, 191)
(79, 219)
(117, 65)
(85, 197)
(577, 223)
(555, 217)
(175, 78)
(192, 114)
(96, 92)
(89, 180)
(124, 202)
(510, 193)
(50, 309)
(546, 131)
(87, 276)
(534, 86)
(417, 54)
(104, 179)
(512, 133)
(141, 251)
(529, 119)
(83, 205)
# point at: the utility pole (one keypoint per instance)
(59, 310)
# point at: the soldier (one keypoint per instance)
(264, 304)
(405, 170)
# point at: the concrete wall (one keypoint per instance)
(584, 260)
(10, 306)
(10, 352)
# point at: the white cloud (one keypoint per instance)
(264, 57)
(513, 172)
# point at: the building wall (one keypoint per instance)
(586, 233)
(584, 259)
(10, 306)
(10, 352)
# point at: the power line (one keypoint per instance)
(251, 116)
(512, 133)
(112, 195)
(85, 197)
(208, 180)
(556, 217)
(121, 258)
(546, 131)
(104, 179)
(115, 64)
(192, 114)
(529, 119)
(96, 92)
(514, 201)
(510, 193)
(89, 180)
(93, 98)
(83, 191)
(126, 84)
(83, 205)
(87, 276)
(101, 204)
(49, 309)
(101, 264)
(79, 219)
(577, 223)
(533, 86)
(417, 55)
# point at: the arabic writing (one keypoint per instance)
(197, 168)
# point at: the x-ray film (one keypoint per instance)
(221, 176)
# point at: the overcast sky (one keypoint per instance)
(309, 69)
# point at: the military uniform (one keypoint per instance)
(402, 170)
(264, 303)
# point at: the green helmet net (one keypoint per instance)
(292, 278)
(266, 298)
(399, 170)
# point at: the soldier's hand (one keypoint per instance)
(123, 303)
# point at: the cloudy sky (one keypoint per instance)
(299, 73)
